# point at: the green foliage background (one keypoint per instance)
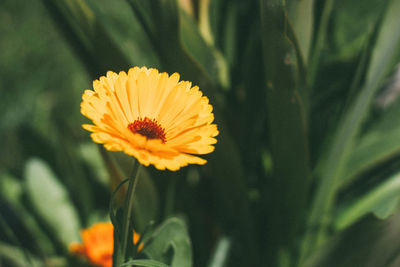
(306, 171)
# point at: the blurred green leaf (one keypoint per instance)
(170, 237)
(319, 39)
(87, 36)
(301, 15)
(223, 18)
(10, 187)
(379, 144)
(383, 58)
(12, 190)
(90, 154)
(382, 200)
(126, 31)
(351, 22)
(207, 56)
(51, 201)
(144, 263)
(287, 131)
(179, 44)
(221, 252)
(369, 243)
(15, 257)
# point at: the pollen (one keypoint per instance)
(151, 129)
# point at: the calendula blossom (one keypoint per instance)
(98, 244)
(151, 116)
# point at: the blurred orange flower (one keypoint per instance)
(151, 116)
(98, 244)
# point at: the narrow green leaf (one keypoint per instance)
(287, 190)
(178, 42)
(301, 15)
(381, 143)
(87, 36)
(350, 25)
(171, 235)
(221, 253)
(319, 40)
(51, 201)
(369, 243)
(126, 31)
(382, 61)
(144, 263)
(90, 154)
(208, 57)
(381, 200)
(15, 256)
(12, 189)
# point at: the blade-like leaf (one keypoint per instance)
(180, 45)
(383, 57)
(381, 143)
(301, 15)
(221, 253)
(15, 257)
(319, 40)
(51, 201)
(287, 190)
(87, 36)
(11, 189)
(382, 200)
(369, 243)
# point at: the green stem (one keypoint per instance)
(127, 214)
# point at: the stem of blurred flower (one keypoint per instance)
(127, 214)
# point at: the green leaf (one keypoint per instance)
(126, 31)
(319, 39)
(220, 255)
(170, 238)
(144, 263)
(90, 154)
(51, 201)
(382, 200)
(178, 43)
(12, 189)
(207, 56)
(369, 243)
(332, 166)
(301, 15)
(87, 36)
(351, 22)
(287, 126)
(15, 256)
(381, 143)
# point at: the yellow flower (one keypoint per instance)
(151, 116)
(98, 244)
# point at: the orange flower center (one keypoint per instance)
(148, 128)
